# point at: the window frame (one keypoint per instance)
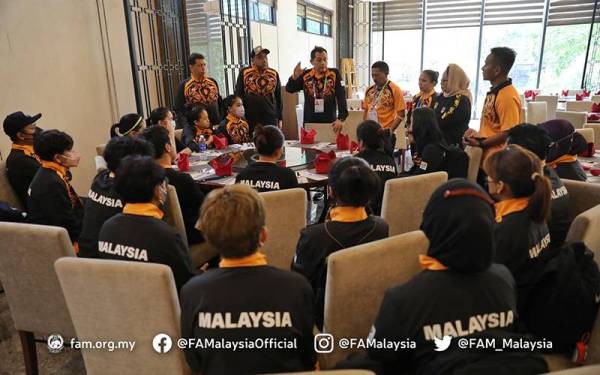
(254, 13)
(326, 19)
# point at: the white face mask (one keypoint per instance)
(172, 122)
(240, 112)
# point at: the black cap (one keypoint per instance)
(15, 122)
(258, 50)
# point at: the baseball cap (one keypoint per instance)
(258, 50)
(15, 122)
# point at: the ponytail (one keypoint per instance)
(539, 201)
(114, 130)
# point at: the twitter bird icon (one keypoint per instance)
(443, 344)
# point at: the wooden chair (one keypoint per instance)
(351, 302)
(285, 217)
(34, 295)
(404, 200)
(123, 300)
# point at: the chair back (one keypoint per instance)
(7, 194)
(577, 119)
(475, 154)
(582, 196)
(537, 112)
(551, 105)
(100, 149)
(579, 105)
(585, 229)
(173, 215)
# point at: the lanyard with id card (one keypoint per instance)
(319, 103)
(372, 115)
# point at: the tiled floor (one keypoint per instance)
(68, 362)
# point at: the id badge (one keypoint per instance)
(372, 115)
(319, 105)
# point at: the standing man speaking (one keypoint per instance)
(259, 88)
(324, 93)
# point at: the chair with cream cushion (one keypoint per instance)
(178, 134)
(579, 105)
(537, 112)
(582, 196)
(352, 302)
(123, 300)
(100, 149)
(596, 99)
(285, 214)
(7, 194)
(551, 105)
(587, 133)
(577, 119)
(475, 154)
(34, 295)
(100, 163)
(404, 200)
(596, 128)
(585, 228)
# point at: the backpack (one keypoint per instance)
(562, 304)
(456, 161)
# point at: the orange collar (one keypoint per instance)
(562, 160)
(143, 209)
(27, 150)
(252, 260)
(348, 214)
(234, 119)
(430, 263)
(59, 169)
(509, 206)
(202, 79)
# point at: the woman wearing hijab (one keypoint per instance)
(458, 293)
(562, 152)
(453, 106)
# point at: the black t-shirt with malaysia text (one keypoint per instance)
(385, 167)
(243, 304)
(264, 176)
(559, 220)
(103, 203)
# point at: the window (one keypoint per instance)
(262, 11)
(313, 19)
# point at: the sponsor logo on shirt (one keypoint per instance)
(252, 319)
(559, 193)
(537, 249)
(271, 185)
(123, 251)
(383, 168)
(476, 323)
(105, 201)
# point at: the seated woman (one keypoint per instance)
(424, 98)
(139, 233)
(266, 174)
(197, 128)
(565, 144)
(516, 182)
(245, 293)
(453, 106)
(103, 201)
(235, 128)
(433, 153)
(130, 125)
(188, 192)
(52, 200)
(352, 185)
(371, 140)
(458, 221)
(162, 116)
(536, 140)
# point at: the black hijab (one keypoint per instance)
(565, 140)
(459, 223)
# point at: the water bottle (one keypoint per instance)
(202, 143)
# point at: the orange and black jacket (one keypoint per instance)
(261, 94)
(21, 167)
(52, 201)
(206, 93)
(333, 93)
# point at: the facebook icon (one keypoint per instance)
(162, 343)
